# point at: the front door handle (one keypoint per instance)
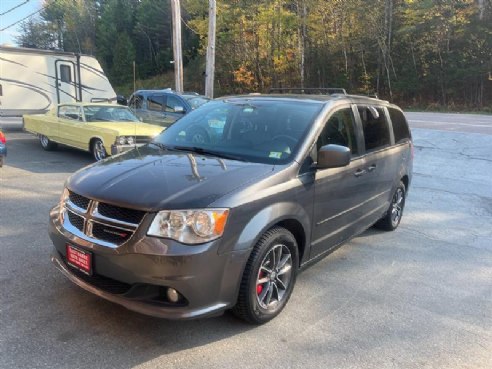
(359, 172)
(371, 168)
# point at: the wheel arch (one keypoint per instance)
(297, 230)
(288, 215)
(406, 181)
(92, 140)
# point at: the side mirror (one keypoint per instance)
(333, 156)
(121, 100)
(179, 109)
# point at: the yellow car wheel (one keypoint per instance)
(98, 150)
(46, 143)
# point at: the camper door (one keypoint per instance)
(66, 81)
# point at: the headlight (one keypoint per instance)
(123, 140)
(189, 226)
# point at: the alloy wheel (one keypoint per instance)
(99, 150)
(274, 277)
(397, 206)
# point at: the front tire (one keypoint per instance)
(46, 143)
(269, 277)
(393, 216)
(98, 151)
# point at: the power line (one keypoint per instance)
(13, 24)
(15, 7)
(189, 27)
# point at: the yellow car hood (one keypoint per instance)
(130, 128)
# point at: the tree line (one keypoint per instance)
(422, 53)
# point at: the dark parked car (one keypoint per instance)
(3, 148)
(180, 229)
(164, 107)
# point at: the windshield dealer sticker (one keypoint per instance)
(275, 155)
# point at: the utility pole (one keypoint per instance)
(210, 71)
(177, 48)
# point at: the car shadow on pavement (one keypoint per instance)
(25, 153)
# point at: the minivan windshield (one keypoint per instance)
(254, 130)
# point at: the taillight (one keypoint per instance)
(2, 138)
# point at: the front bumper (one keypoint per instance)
(143, 265)
(118, 149)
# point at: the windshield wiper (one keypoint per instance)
(160, 145)
(201, 150)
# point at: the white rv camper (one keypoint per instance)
(32, 80)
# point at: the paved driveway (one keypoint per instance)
(420, 297)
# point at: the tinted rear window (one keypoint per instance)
(400, 125)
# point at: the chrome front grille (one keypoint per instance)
(99, 222)
(79, 201)
(142, 139)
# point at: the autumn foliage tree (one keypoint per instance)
(422, 53)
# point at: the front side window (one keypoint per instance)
(95, 113)
(69, 112)
(172, 102)
(339, 130)
(400, 125)
(156, 102)
(263, 131)
(375, 127)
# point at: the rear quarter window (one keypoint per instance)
(136, 102)
(400, 125)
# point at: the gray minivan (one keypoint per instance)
(183, 229)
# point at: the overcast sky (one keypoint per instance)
(7, 36)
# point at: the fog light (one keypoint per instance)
(172, 295)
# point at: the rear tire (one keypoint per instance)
(46, 143)
(98, 151)
(269, 277)
(393, 216)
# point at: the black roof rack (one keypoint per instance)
(309, 90)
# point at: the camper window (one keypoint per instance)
(65, 73)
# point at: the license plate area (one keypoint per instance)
(79, 259)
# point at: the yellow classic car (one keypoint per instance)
(101, 129)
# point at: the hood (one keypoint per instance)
(152, 179)
(130, 129)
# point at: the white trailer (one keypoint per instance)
(32, 80)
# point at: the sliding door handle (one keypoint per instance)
(359, 172)
(371, 168)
